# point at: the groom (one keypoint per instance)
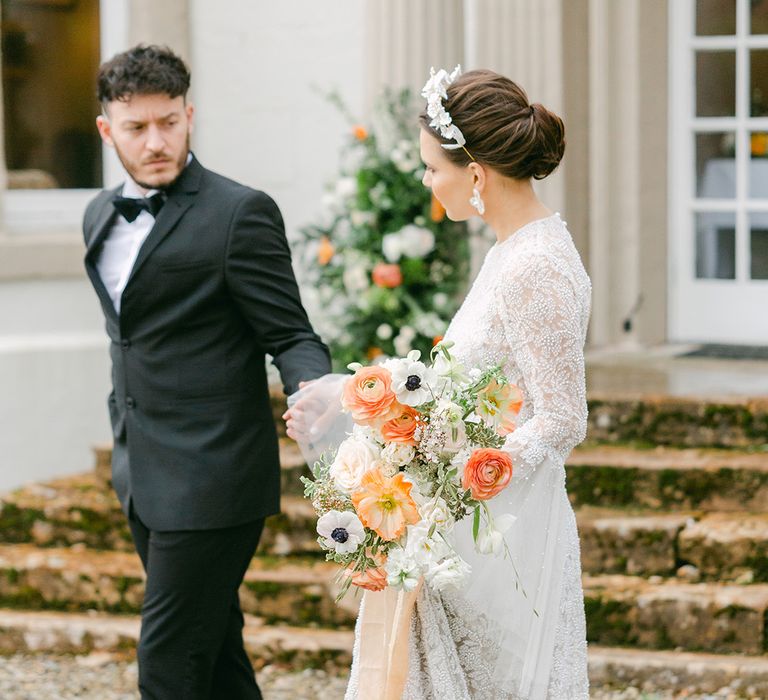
(194, 276)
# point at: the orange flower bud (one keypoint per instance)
(436, 210)
(325, 251)
(360, 132)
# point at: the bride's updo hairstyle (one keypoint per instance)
(502, 130)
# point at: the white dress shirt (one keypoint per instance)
(122, 245)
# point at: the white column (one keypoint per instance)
(627, 170)
(406, 37)
(522, 39)
(165, 23)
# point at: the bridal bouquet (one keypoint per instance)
(422, 455)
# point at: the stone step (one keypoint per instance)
(654, 613)
(84, 633)
(297, 591)
(82, 510)
(667, 614)
(668, 479)
(300, 648)
(658, 420)
(679, 422)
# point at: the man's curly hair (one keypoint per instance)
(142, 70)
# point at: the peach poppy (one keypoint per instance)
(402, 427)
(368, 396)
(436, 210)
(374, 578)
(325, 251)
(387, 275)
(359, 132)
(487, 473)
(384, 504)
(498, 405)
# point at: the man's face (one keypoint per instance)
(150, 134)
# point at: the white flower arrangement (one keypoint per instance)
(384, 269)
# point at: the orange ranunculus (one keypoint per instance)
(325, 251)
(498, 405)
(402, 427)
(436, 210)
(384, 504)
(360, 132)
(487, 473)
(374, 578)
(368, 396)
(387, 275)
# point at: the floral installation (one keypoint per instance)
(385, 269)
(424, 453)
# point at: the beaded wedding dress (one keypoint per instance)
(517, 630)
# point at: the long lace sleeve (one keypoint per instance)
(542, 318)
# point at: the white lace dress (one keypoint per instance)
(507, 635)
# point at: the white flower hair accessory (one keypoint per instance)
(435, 90)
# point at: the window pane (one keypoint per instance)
(715, 83)
(716, 245)
(758, 81)
(759, 19)
(715, 17)
(758, 165)
(50, 55)
(758, 249)
(715, 165)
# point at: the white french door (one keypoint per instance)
(719, 171)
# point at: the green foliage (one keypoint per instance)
(378, 213)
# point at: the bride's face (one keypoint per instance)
(450, 183)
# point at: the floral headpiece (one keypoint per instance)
(435, 91)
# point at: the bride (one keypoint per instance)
(517, 630)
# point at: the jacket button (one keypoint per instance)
(130, 402)
(125, 344)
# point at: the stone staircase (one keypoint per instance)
(674, 551)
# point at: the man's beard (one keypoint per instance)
(132, 170)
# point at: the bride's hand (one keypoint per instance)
(317, 405)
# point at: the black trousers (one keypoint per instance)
(191, 644)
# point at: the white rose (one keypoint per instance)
(354, 458)
(392, 247)
(417, 241)
(398, 453)
(450, 573)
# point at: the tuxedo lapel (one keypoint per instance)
(102, 225)
(181, 196)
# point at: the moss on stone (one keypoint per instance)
(607, 621)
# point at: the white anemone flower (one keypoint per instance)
(341, 531)
(412, 381)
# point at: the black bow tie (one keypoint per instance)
(131, 207)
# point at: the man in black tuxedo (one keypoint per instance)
(194, 275)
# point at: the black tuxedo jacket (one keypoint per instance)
(211, 292)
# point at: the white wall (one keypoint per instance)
(256, 69)
(54, 379)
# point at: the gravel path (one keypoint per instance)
(102, 677)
